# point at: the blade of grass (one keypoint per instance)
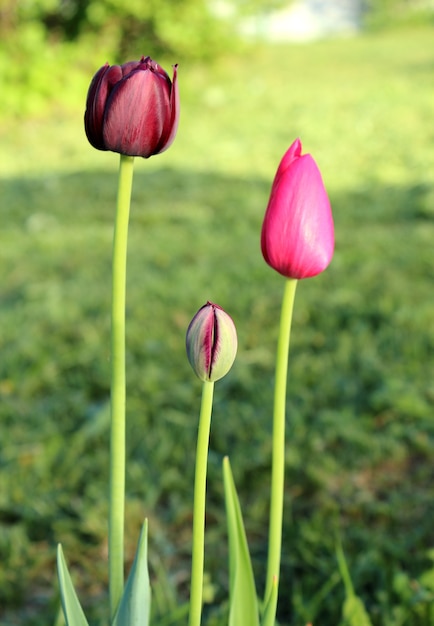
(353, 611)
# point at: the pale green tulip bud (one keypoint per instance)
(211, 342)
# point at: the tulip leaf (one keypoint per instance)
(135, 605)
(353, 610)
(269, 614)
(242, 592)
(72, 610)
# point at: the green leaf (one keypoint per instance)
(135, 605)
(353, 611)
(242, 592)
(72, 610)
(268, 618)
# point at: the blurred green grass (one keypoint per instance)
(361, 394)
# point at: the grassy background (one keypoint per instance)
(361, 394)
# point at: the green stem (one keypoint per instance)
(196, 584)
(278, 445)
(117, 428)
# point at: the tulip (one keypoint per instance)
(133, 108)
(297, 233)
(211, 342)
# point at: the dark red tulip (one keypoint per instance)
(132, 108)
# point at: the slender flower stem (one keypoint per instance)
(196, 584)
(117, 429)
(278, 445)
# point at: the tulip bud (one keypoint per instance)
(133, 108)
(211, 342)
(297, 233)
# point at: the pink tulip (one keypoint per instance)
(297, 233)
(133, 108)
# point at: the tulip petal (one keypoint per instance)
(293, 153)
(225, 345)
(135, 114)
(94, 114)
(172, 127)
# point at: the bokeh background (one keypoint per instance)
(355, 82)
